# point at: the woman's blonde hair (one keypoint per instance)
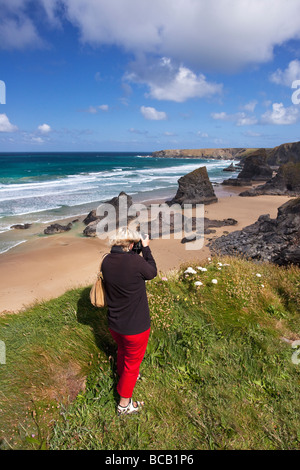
(124, 237)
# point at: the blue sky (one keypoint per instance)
(141, 75)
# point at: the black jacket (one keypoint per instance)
(124, 277)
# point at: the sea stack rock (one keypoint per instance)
(195, 188)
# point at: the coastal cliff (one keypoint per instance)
(213, 153)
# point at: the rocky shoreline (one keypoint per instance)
(275, 240)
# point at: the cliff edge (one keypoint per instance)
(213, 153)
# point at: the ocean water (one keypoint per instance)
(40, 188)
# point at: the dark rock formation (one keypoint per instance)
(115, 201)
(231, 167)
(195, 188)
(275, 240)
(206, 226)
(237, 182)
(255, 168)
(93, 219)
(91, 229)
(57, 228)
(21, 226)
(284, 153)
(218, 223)
(285, 182)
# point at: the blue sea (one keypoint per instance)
(40, 188)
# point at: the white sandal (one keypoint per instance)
(130, 408)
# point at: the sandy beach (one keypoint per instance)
(45, 267)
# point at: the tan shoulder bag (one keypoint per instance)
(97, 292)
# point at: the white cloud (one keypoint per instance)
(152, 114)
(252, 134)
(37, 140)
(167, 81)
(170, 134)
(243, 120)
(17, 29)
(222, 116)
(229, 36)
(183, 86)
(287, 76)
(281, 115)
(197, 33)
(95, 109)
(5, 125)
(240, 119)
(250, 107)
(44, 128)
(203, 135)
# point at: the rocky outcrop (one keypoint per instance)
(57, 228)
(237, 182)
(285, 182)
(275, 240)
(93, 219)
(232, 168)
(255, 168)
(115, 201)
(195, 188)
(176, 222)
(21, 226)
(284, 153)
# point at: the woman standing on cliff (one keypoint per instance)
(124, 273)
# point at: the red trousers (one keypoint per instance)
(131, 351)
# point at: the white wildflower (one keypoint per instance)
(198, 283)
(220, 264)
(214, 281)
(258, 275)
(190, 270)
(201, 269)
(262, 285)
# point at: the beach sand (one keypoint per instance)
(45, 267)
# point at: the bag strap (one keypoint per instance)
(100, 266)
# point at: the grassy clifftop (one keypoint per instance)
(214, 153)
(219, 372)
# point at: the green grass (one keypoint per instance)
(217, 374)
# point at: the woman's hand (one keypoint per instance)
(145, 240)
